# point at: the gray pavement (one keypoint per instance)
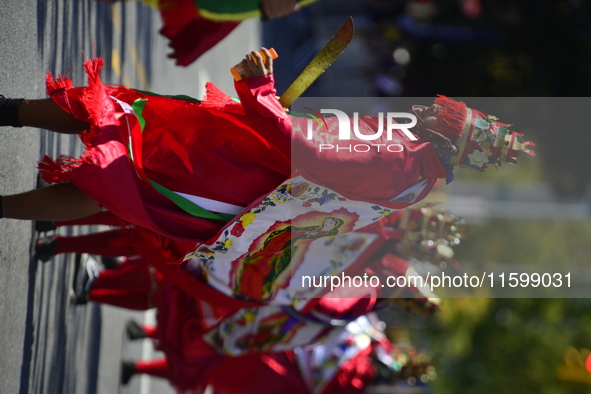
(49, 345)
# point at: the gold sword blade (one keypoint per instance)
(320, 63)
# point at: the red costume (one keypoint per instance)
(341, 364)
(192, 358)
(186, 326)
(202, 342)
(190, 34)
(198, 148)
(216, 149)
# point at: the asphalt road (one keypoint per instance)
(49, 345)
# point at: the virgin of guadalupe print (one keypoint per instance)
(261, 272)
(254, 257)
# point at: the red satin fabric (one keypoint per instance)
(353, 377)
(217, 149)
(190, 35)
(279, 373)
(369, 175)
(259, 374)
(191, 359)
(187, 147)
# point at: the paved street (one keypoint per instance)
(49, 345)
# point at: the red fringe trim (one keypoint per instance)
(89, 135)
(214, 97)
(58, 171)
(92, 97)
(452, 116)
(52, 84)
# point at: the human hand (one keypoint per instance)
(426, 120)
(253, 64)
(274, 9)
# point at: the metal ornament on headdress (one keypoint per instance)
(430, 234)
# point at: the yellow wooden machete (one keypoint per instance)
(320, 63)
